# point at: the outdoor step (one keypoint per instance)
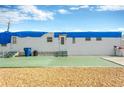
(9, 54)
(61, 53)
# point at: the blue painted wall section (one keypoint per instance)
(28, 34)
(5, 37)
(90, 34)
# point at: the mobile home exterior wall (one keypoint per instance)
(75, 43)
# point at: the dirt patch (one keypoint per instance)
(61, 77)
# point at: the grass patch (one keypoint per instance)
(50, 61)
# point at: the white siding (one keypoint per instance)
(81, 47)
(5, 48)
(36, 43)
(93, 47)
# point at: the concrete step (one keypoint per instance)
(10, 54)
(61, 53)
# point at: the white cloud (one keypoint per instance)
(24, 13)
(1, 30)
(99, 7)
(36, 13)
(107, 29)
(77, 30)
(20, 30)
(84, 6)
(121, 29)
(13, 16)
(109, 8)
(63, 11)
(79, 7)
(117, 29)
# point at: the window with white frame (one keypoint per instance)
(49, 39)
(88, 39)
(98, 39)
(73, 40)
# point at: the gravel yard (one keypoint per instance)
(62, 77)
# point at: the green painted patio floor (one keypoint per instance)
(50, 61)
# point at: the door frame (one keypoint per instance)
(60, 37)
(62, 46)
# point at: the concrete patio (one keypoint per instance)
(117, 60)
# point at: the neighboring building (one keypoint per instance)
(75, 43)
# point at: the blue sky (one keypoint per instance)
(62, 18)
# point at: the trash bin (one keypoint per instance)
(35, 53)
(27, 51)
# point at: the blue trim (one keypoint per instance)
(28, 34)
(89, 34)
(5, 37)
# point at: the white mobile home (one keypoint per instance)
(75, 43)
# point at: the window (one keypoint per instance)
(3, 45)
(62, 40)
(73, 40)
(14, 40)
(87, 38)
(49, 39)
(98, 39)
